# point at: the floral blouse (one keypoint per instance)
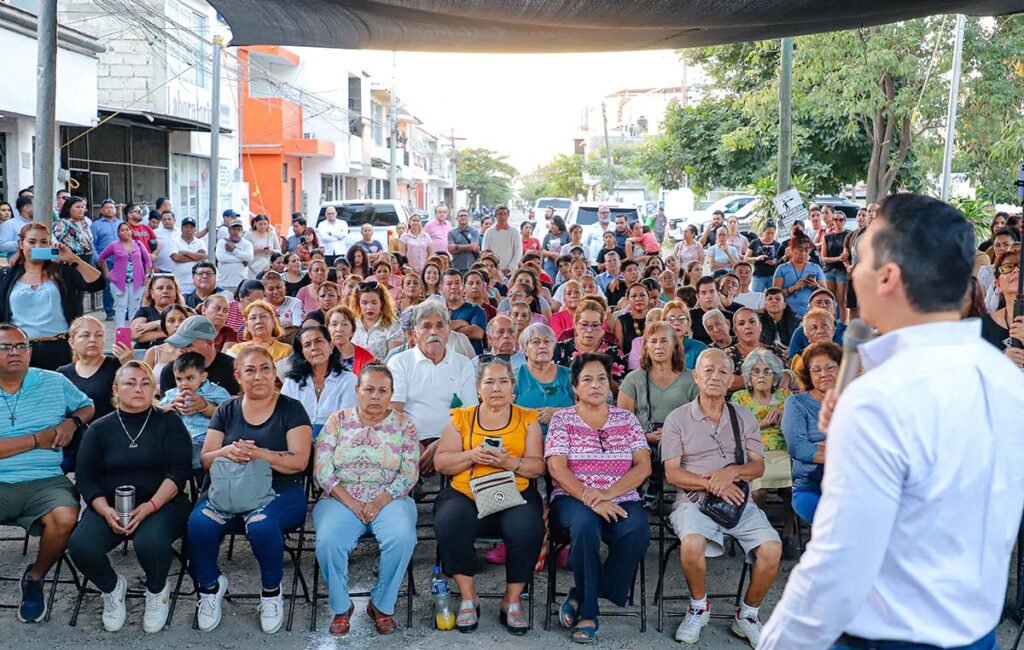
(565, 352)
(367, 460)
(76, 235)
(377, 338)
(770, 435)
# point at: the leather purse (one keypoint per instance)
(494, 492)
(717, 509)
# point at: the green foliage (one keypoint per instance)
(978, 212)
(486, 174)
(765, 189)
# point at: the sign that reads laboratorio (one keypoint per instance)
(790, 208)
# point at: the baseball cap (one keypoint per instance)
(188, 221)
(235, 224)
(818, 292)
(229, 213)
(192, 329)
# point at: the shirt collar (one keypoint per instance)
(877, 351)
(501, 227)
(420, 357)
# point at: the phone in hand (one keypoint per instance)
(493, 442)
(123, 336)
(45, 254)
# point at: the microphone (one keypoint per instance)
(857, 332)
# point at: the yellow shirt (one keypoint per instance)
(513, 439)
(278, 350)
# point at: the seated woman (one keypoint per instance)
(341, 323)
(367, 462)
(464, 454)
(800, 425)
(161, 291)
(588, 336)
(377, 327)
(562, 320)
(156, 460)
(597, 456)
(317, 378)
(259, 425)
(540, 384)
(819, 325)
(328, 296)
(158, 356)
(216, 309)
(263, 329)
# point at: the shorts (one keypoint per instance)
(836, 276)
(851, 296)
(24, 504)
(777, 472)
(752, 530)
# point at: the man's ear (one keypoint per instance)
(890, 281)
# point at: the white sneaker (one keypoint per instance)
(689, 630)
(114, 612)
(158, 606)
(748, 628)
(272, 612)
(209, 608)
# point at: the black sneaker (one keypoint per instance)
(33, 603)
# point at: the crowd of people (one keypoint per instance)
(598, 378)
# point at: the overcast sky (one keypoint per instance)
(527, 106)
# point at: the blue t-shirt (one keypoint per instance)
(372, 248)
(197, 423)
(800, 426)
(797, 301)
(532, 394)
(474, 315)
(692, 349)
(45, 400)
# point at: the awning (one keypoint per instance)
(563, 25)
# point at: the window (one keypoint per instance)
(377, 119)
(190, 187)
(284, 173)
(187, 48)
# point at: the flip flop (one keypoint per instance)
(586, 634)
(567, 614)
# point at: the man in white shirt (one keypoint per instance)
(746, 296)
(595, 238)
(166, 234)
(922, 495)
(332, 234)
(504, 241)
(185, 251)
(234, 255)
(430, 380)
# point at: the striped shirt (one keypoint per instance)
(599, 458)
(34, 408)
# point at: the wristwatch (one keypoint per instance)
(79, 424)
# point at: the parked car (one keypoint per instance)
(383, 215)
(585, 214)
(729, 205)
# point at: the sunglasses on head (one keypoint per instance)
(488, 357)
(368, 286)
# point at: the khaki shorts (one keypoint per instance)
(752, 530)
(777, 472)
(24, 504)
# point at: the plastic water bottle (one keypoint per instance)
(444, 618)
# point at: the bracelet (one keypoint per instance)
(518, 465)
(35, 442)
(153, 503)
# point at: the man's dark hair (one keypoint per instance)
(932, 243)
(247, 287)
(298, 220)
(1012, 233)
(190, 361)
(705, 280)
(198, 266)
(451, 272)
(160, 202)
(62, 191)
(563, 259)
(296, 216)
(153, 214)
(22, 201)
(627, 264)
(577, 365)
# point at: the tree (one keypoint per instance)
(486, 175)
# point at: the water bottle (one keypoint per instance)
(124, 503)
(444, 618)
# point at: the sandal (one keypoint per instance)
(511, 616)
(468, 617)
(385, 623)
(567, 613)
(586, 634)
(342, 623)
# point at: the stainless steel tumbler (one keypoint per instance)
(124, 503)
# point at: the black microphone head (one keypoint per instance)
(857, 332)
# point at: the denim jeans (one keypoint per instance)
(264, 528)
(338, 531)
(988, 642)
(760, 282)
(805, 503)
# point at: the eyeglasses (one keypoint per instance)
(762, 372)
(367, 286)
(817, 370)
(589, 326)
(204, 274)
(15, 347)
(1008, 268)
(678, 319)
(488, 357)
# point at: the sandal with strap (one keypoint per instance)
(468, 617)
(586, 634)
(567, 614)
(511, 616)
(342, 623)
(385, 623)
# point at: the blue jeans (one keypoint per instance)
(108, 298)
(988, 642)
(760, 282)
(337, 532)
(627, 541)
(805, 503)
(264, 528)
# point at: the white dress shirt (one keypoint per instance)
(332, 236)
(232, 265)
(427, 390)
(339, 393)
(183, 270)
(921, 499)
(166, 237)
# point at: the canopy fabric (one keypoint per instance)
(563, 25)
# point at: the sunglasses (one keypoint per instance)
(368, 286)
(1008, 268)
(486, 358)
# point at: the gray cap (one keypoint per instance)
(192, 329)
(406, 320)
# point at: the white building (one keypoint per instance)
(76, 92)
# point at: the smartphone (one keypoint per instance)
(494, 443)
(45, 254)
(123, 335)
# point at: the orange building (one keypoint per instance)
(272, 143)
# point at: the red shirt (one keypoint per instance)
(143, 234)
(531, 244)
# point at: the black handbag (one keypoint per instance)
(717, 509)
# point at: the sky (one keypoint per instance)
(526, 106)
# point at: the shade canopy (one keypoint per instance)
(563, 25)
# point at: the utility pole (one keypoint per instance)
(455, 174)
(785, 115)
(43, 172)
(393, 130)
(610, 191)
(954, 93)
(214, 175)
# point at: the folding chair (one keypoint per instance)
(53, 581)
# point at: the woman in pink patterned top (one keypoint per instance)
(597, 456)
(366, 462)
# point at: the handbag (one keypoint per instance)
(495, 492)
(238, 488)
(717, 509)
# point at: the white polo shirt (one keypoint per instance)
(428, 390)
